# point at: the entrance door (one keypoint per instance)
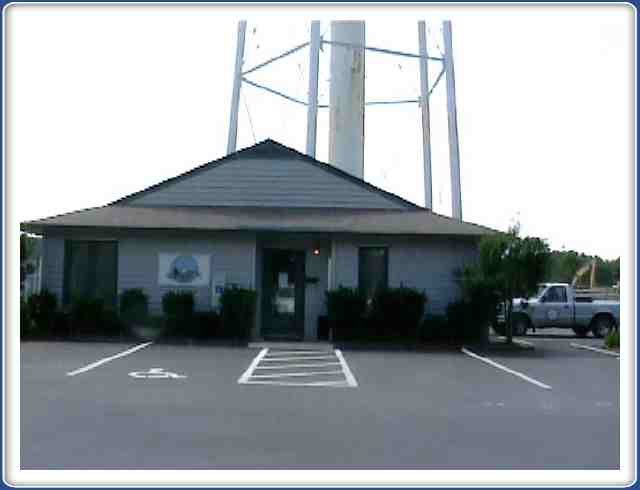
(283, 281)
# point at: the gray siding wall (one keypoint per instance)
(315, 305)
(266, 182)
(427, 263)
(232, 254)
(138, 264)
(53, 265)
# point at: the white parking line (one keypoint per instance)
(247, 374)
(595, 349)
(302, 353)
(108, 359)
(343, 384)
(275, 359)
(287, 366)
(351, 380)
(506, 369)
(299, 375)
(261, 369)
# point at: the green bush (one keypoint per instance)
(435, 328)
(91, 315)
(26, 325)
(469, 317)
(467, 321)
(613, 339)
(134, 307)
(346, 309)
(178, 307)
(41, 310)
(398, 312)
(206, 325)
(237, 312)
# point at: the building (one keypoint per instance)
(266, 217)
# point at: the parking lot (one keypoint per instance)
(154, 406)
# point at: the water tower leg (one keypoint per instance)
(424, 106)
(312, 108)
(454, 149)
(237, 81)
(346, 100)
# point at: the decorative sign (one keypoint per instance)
(156, 373)
(183, 269)
(217, 287)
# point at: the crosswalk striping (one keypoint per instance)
(292, 368)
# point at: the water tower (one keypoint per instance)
(347, 97)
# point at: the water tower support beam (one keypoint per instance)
(312, 101)
(454, 149)
(424, 106)
(237, 82)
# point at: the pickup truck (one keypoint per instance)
(556, 305)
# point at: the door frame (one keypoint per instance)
(298, 331)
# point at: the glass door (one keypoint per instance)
(283, 294)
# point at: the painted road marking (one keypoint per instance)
(342, 384)
(595, 349)
(261, 369)
(247, 374)
(294, 375)
(156, 373)
(108, 359)
(298, 352)
(274, 359)
(288, 366)
(506, 369)
(351, 380)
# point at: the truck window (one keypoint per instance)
(556, 294)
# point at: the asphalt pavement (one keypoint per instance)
(182, 407)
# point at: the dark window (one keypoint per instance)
(556, 294)
(91, 271)
(373, 270)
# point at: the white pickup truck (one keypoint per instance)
(556, 305)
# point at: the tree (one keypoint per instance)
(27, 250)
(514, 266)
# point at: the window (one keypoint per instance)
(90, 271)
(373, 270)
(556, 294)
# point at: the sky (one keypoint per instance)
(103, 101)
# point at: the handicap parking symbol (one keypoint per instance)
(156, 373)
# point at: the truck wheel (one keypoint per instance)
(520, 326)
(580, 331)
(601, 326)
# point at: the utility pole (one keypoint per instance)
(312, 101)
(454, 149)
(237, 82)
(424, 106)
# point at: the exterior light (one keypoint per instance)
(316, 251)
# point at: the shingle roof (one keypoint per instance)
(270, 149)
(404, 222)
(413, 220)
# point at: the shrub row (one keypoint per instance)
(394, 313)
(40, 316)
(399, 314)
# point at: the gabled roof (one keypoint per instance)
(268, 149)
(324, 220)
